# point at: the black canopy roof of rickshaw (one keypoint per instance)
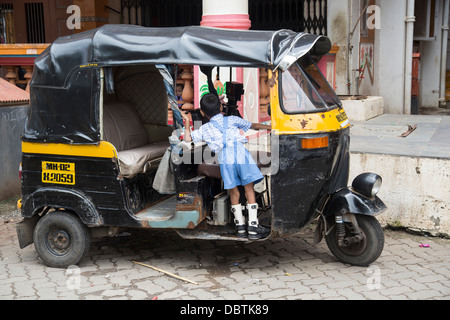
(60, 90)
(124, 44)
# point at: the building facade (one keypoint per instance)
(380, 41)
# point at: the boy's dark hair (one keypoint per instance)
(210, 104)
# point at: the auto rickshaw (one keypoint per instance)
(97, 136)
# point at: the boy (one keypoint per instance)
(237, 166)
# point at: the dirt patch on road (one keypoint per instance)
(8, 210)
(419, 238)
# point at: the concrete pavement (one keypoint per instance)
(381, 135)
(281, 269)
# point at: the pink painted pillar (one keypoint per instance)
(231, 14)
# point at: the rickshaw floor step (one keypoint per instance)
(208, 235)
(161, 211)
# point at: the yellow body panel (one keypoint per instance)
(102, 150)
(283, 123)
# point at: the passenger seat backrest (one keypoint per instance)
(122, 126)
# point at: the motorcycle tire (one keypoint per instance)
(361, 253)
(61, 239)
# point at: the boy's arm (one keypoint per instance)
(260, 126)
(187, 127)
(246, 125)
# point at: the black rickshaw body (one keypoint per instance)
(75, 155)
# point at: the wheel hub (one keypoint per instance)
(355, 245)
(59, 241)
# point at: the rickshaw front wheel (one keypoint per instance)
(61, 239)
(361, 253)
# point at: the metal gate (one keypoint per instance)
(297, 15)
(162, 13)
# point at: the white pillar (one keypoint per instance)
(214, 7)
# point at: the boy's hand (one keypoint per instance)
(185, 115)
(187, 126)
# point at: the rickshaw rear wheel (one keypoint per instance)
(61, 239)
(361, 253)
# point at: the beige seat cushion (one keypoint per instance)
(123, 128)
(138, 160)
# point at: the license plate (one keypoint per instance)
(342, 116)
(58, 172)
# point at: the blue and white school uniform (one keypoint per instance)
(222, 135)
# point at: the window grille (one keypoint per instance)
(7, 33)
(34, 13)
(162, 13)
(297, 15)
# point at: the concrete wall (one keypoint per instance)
(12, 122)
(415, 190)
(364, 109)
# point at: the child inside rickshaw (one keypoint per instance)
(237, 167)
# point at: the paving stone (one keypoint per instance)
(113, 293)
(6, 290)
(276, 294)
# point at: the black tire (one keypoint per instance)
(61, 239)
(362, 253)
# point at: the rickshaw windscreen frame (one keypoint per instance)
(307, 59)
